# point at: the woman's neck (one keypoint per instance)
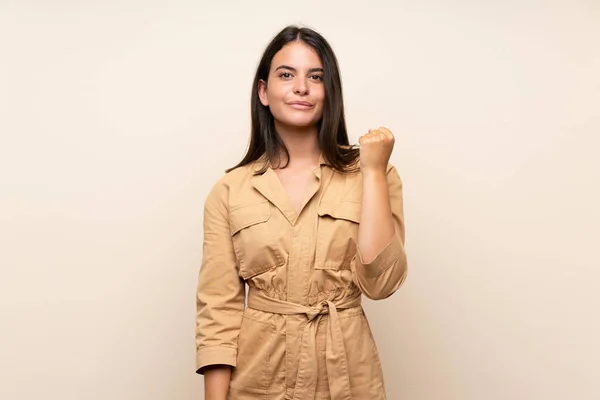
(302, 144)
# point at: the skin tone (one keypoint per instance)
(376, 228)
(216, 382)
(295, 95)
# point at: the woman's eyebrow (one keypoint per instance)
(294, 69)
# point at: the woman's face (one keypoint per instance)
(295, 91)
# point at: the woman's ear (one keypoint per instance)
(262, 93)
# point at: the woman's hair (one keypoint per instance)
(332, 136)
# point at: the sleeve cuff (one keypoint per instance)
(215, 355)
(384, 260)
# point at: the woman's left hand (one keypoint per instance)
(375, 149)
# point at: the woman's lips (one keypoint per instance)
(300, 105)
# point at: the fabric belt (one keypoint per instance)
(335, 353)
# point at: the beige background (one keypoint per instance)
(116, 118)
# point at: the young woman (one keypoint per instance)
(309, 224)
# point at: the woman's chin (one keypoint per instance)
(299, 122)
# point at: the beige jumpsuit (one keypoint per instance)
(301, 333)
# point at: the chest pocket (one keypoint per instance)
(254, 239)
(337, 234)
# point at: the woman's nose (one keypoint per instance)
(301, 87)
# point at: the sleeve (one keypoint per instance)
(221, 292)
(380, 278)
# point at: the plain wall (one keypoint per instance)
(116, 119)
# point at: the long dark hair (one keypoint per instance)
(333, 137)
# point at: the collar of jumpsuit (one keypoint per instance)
(264, 161)
(268, 184)
(335, 353)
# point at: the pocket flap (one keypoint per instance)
(345, 210)
(248, 215)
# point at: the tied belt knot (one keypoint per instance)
(335, 352)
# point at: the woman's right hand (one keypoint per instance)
(216, 382)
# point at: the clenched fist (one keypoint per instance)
(375, 149)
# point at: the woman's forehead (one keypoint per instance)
(298, 56)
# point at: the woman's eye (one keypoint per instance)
(317, 77)
(285, 75)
